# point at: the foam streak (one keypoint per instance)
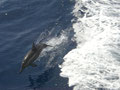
(95, 61)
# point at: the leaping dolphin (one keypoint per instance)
(32, 55)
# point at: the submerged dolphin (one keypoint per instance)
(32, 55)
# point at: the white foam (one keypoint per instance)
(54, 42)
(57, 40)
(95, 62)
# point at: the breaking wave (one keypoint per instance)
(94, 63)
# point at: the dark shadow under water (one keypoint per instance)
(44, 81)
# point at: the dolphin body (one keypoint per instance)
(32, 55)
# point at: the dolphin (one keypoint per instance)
(32, 55)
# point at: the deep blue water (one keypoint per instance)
(21, 23)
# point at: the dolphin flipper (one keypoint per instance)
(33, 65)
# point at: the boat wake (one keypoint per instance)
(94, 63)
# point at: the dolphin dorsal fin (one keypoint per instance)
(33, 46)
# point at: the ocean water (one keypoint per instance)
(85, 35)
(23, 22)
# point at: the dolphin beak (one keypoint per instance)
(21, 70)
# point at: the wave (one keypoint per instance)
(94, 63)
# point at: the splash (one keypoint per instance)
(58, 40)
(95, 62)
(55, 41)
(52, 53)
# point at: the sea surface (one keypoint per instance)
(23, 22)
(85, 35)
